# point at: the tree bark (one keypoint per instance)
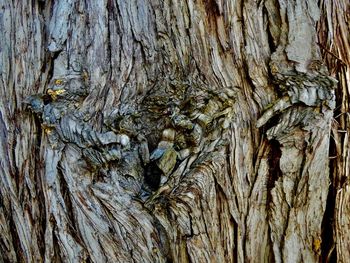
(174, 131)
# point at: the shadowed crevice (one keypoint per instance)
(274, 173)
(328, 251)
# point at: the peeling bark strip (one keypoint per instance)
(334, 39)
(174, 131)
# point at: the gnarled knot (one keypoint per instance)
(299, 90)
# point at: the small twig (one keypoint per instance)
(340, 114)
(332, 54)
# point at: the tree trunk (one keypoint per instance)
(174, 131)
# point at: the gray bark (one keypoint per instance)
(174, 131)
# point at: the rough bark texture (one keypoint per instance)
(174, 131)
(334, 38)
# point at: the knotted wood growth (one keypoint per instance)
(171, 131)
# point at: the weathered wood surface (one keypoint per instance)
(334, 37)
(174, 131)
